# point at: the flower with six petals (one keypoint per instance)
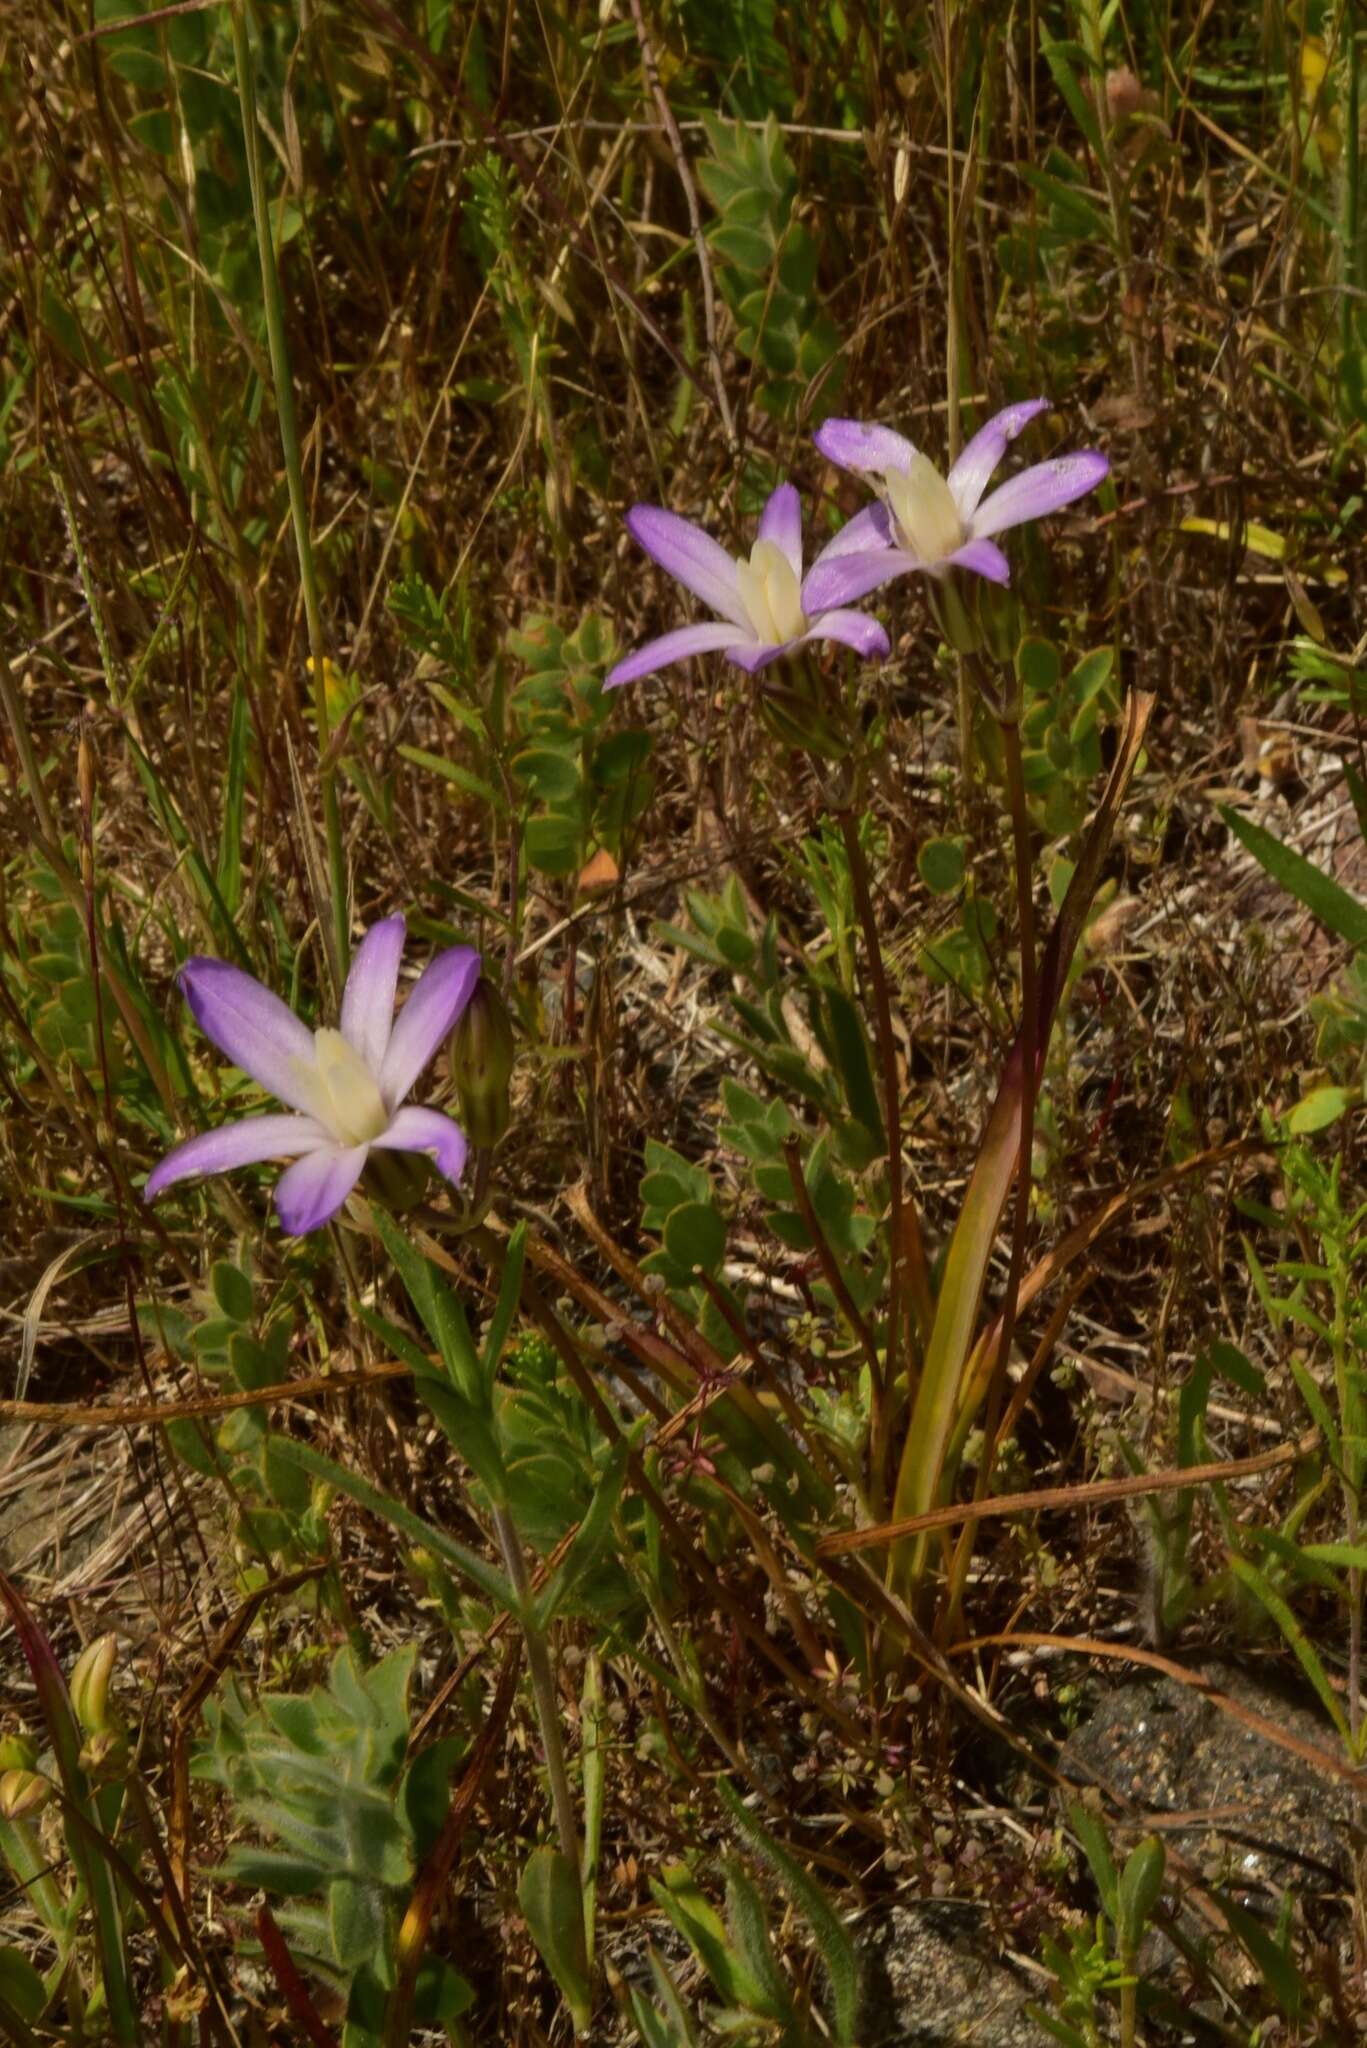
(345, 1087)
(931, 522)
(762, 602)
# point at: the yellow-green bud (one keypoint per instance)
(17, 1753)
(796, 720)
(22, 1794)
(999, 617)
(481, 1052)
(89, 1686)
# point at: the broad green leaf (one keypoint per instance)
(940, 864)
(833, 1942)
(695, 1235)
(1096, 1847)
(551, 1901)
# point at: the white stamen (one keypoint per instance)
(770, 594)
(924, 510)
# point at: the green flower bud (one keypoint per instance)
(89, 1686)
(480, 1053)
(17, 1753)
(22, 1794)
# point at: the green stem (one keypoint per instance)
(336, 931)
(543, 1690)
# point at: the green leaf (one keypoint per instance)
(552, 774)
(451, 771)
(833, 1941)
(442, 1315)
(1296, 1639)
(551, 1902)
(940, 864)
(20, 1985)
(1140, 1889)
(699, 1922)
(1320, 1108)
(1320, 893)
(478, 1570)
(1096, 1847)
(591, 1535)
(232, 1291)
(694, 1235)
(1059, 56)
(1278, 1971)
(356, 1922)
(853, 1062)
(750, 1934)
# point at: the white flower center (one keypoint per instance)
(346, 1097)
(924, 510)
(771, 595)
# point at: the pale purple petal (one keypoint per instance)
(1040, 490)
(853, 629)
(676, 646)
(757, 655)
(862, 445)
(443, 989)
(850, 577)
(427, 1130)
(781, 522)
(253, 1027)
(690, 556)
(309, 1193)
(368, 1000)
(984, 558)
(871, 528)
(968, 478)
(239, 1144)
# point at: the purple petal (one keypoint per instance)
(842, 582)
(1040, 490)
(968, 478)
(427, 1130)
(984, 558)
(309, 1193)
(759, 654)
(690, 556)
(861, 445)
(676, 646)
(853, 629)
(239, 1144)
(781, 522)
(443, 989)
(368, 999)
(253, 1027)
(868, 529)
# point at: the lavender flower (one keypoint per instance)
(935, 523)
(347, 1086)
(762, 603)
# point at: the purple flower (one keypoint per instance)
(346, 1086)
(762, 602)
(932, 522)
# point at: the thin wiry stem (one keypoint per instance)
(336, 924)
(543, 1690)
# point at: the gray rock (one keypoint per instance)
(1263, 1821)
(933, 1980)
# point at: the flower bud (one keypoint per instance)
(89, 1686)
(23, 1793)
(17, 1753)
(480, 1052)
